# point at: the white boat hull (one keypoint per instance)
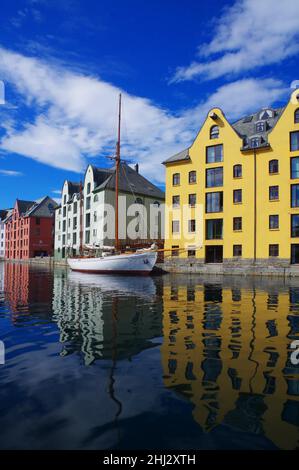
(136, 263)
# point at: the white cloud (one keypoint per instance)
(10, 173)
(71, 117)
(248, 35)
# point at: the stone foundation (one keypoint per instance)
(243, 267)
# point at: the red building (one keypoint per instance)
(30, 229)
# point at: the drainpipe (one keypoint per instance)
(255, 208)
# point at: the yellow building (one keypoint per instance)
(245, 176)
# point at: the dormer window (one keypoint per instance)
(296, 116)
(255, 142)
(214, 132)
(266, 114)
(260, 126)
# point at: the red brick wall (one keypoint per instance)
(26, 238)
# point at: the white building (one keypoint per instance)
(139, 199)
(4, 214)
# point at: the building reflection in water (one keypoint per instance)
(227, 350)
(99, 315)
(27, 289)
(225, 341)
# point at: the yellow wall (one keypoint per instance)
(232, 154)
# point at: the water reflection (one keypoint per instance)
(226, 348)
(218, 349)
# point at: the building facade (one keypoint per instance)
(4, 214)
(82, 214)
(30, 229)
(245, 176)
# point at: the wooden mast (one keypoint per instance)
(117, 162)
(81, 218)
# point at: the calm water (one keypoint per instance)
(98, 362)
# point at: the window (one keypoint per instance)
(64, 212)
(175, 201)
(295, 167)
(255, 142)
(295, 253)
(175, 226)
(192, 176)
(295, 195)
(237, 223)
(191, 226)
(273, 222)
(214, 202)
(214, 132)
(214, 177)
(214, 229)
(273, 167)
(260, 126)
(192, 200)
(237, 171)
(74, 238)
(175, 250)
(87, 236)
(88, 203)
(191, 253)
(237, 196)
(214, 154)
(75, 207)
(138, 200)
(64, 226)
(294, 141)
(96, 198)
(176, 179)
(88, 188)
(64, 199)
(74, 223)
(87, 220)
(294, 225)
(69, 208)
(296, 116)
(273, 250)
(237, 250)
(95, 217)
(273, 193)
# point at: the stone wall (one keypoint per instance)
(244, 267)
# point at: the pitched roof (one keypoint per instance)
(178, 157)
(24, 206)
(73, 188)
(4, 213)
(101, 174)
(131, 181)
(43, 207)
(246, 127)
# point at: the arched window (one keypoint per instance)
(192, 176)
(296, 116)
(96, 198)
(88, 188)
(214, 132)
(237, 171)
(273, 166)
(138, 200)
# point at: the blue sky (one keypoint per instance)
(63, 63)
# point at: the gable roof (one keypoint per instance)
(43, 207)
(246, 130)
(130, 181)
(4, 213)
(23, 206)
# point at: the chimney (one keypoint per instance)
(137, 168)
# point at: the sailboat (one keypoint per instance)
(140, 262)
